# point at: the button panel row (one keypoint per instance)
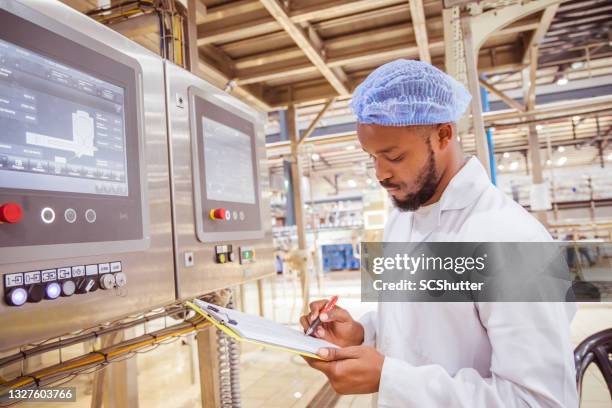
(223, 214)
(33, 286)
(48, 275)
(47, 215)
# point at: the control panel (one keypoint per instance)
(50, 284)
(83, 144)
(219, 180)
(226, 190)
(70, 168)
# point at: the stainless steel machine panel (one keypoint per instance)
(219, 182)
(84, 192)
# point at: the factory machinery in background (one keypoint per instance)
(127, 185)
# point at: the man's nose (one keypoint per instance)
(382, 171)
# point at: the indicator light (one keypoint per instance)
(17, 297)
(53, 290)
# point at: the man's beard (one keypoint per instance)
(427, 182)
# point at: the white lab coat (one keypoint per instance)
(472, 355)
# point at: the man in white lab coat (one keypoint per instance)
(443, 354)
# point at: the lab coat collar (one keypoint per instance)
(464, 188)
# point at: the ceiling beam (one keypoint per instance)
(368, 56)
(200, 8)
(501, 95)
(220, 80)
(331, 9)
(530, 78)
(534, 40)
(333, 46)
(328, 9)
(271, 57)
(301, 39)
(265, 24)
(279, 72)
(231, 9)
(420, 29)
(192, 51)
(254, 27)
(308, 92)
(553, 109)
(389, 52)
(315, 121)
(487, 23)
(212, 53)
(500, 69)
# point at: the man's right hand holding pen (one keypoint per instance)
(337, 326)
(353, 368)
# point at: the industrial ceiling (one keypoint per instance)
(313, 53)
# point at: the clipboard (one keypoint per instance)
(260, 331)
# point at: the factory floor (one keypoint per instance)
(589, 319)
(272, 379)
(168, 375)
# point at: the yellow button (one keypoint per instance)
(222, 258)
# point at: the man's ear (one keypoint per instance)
(445, 134)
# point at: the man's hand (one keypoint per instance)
(337, 326)
(350, 370)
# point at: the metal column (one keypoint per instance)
(484, 96)
(529, 85)
(209, 367)
(471, 59)
(296, 178)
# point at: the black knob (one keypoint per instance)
(36, 293)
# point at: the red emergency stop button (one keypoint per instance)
(218, 213)
(11, 213)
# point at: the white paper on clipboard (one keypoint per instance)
(258, 329)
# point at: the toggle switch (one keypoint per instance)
(86, 285)
(10, 213)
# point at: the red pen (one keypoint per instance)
(328, 306)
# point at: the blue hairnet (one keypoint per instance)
(407, 92)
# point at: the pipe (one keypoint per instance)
(484, 96)
(22, 355)
(76, 365)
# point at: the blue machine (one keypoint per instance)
(339, 257)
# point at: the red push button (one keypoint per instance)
(218, 214)
(11, 213)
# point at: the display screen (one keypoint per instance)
(228, 163)
(60, 128)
